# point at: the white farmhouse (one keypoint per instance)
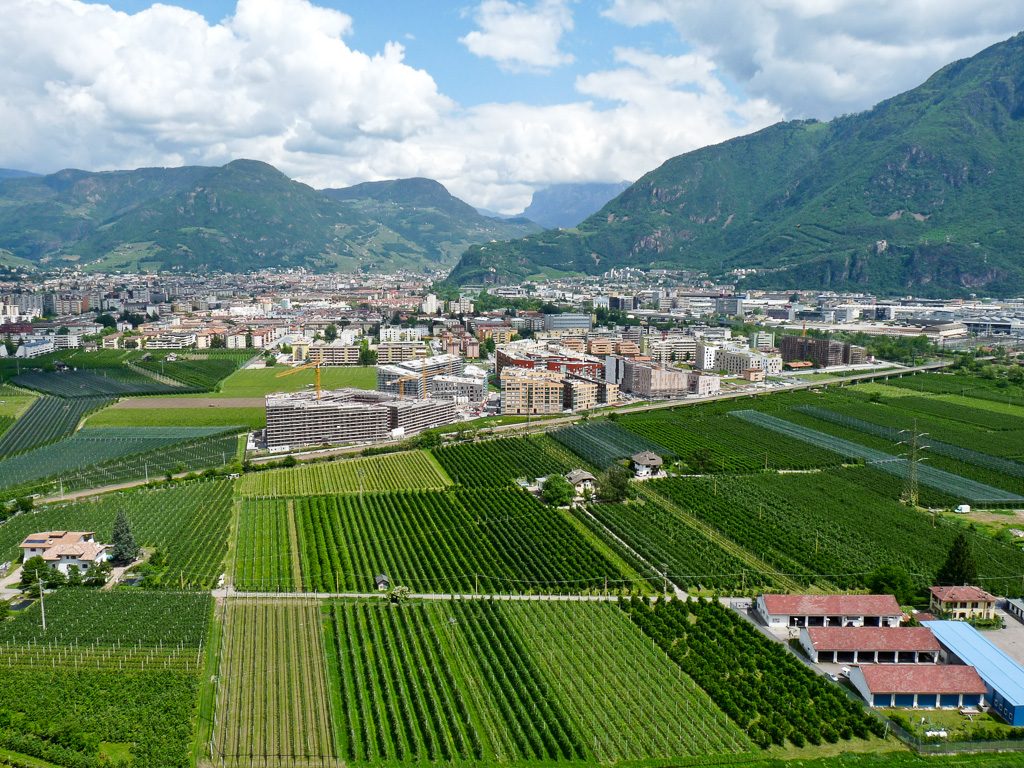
(65, 550)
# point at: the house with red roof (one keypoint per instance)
(962, 602)
(828, 610)
(919, 686)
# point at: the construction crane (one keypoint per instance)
(315, 365)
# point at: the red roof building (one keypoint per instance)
(920, 686)
(870, 645)
(962, 602)
(829, 610)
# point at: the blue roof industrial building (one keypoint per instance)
(1003, 677)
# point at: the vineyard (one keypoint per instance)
(47, 419)
(273, 698)
(109, 455)
(188, 523)
(602, 443)
(266, 552)
(496, 463)
(762, 687)
(831, 529)
(945, 482)
(409, 470)
(489, 682)
(129, 682)
(489, 540)
(958, 384)
(711, 442)
(199, 375)
(693, 560)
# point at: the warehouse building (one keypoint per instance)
(348, 416)
(1003, 677)
(870, 645)
(829, 610)
(919, 686)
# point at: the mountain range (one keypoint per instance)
(245, 215)
(922, 193)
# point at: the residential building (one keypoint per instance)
(461, 389)
(579, 394)
(35, 348)
(525, 391)
(646, 465)
(581, 481)
(400, 351)
(762, 340)
(329, 353)
(65, 551)
(962, 602)
(829, 610)
(411, 378)
(822, 352)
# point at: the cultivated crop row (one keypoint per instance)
(408, 470)
(762, 687)
(691, 560)
(495, 463)
(958, 384)
(490, 540)
(834, 528)
(602, 443)
(46, 420)
(109, 455)
(712, 442)
(195, 375)
(265, 554)
(273, 701)
(187, 523)
(97, 382)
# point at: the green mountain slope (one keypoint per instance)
(921, 193)
(245, 215)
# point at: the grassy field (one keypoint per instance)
(250, 418)
(257, 382)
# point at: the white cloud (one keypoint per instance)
(84, 86)
(520, 37)
(819, 58)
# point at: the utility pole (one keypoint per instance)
(42, 605)
(911, 494)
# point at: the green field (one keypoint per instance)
(496, 463)
(250, 418)
(408, 470)
(188, 523)
(94, 685)
(487, 540)
(490, 682)
(257, 382)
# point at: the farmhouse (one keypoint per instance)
(829, 610)
(581, 481)
(870, 645)
(962, 602)
(646, 464)
(919, 686)
(65, 550)
(1003, 677)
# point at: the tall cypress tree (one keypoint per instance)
(125, 548)
(959, 567)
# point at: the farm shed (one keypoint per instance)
(829, 610)
(918, 686)
(1003, 677)
(1015, 607)
(870, 645)
(382, 582)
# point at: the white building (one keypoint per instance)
(65, 550)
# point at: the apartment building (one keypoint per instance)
(525, 391)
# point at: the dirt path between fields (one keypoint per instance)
(190, 402)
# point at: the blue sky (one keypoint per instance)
(494, 98)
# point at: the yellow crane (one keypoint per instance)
(315, 365)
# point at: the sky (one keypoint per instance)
(493, 98)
